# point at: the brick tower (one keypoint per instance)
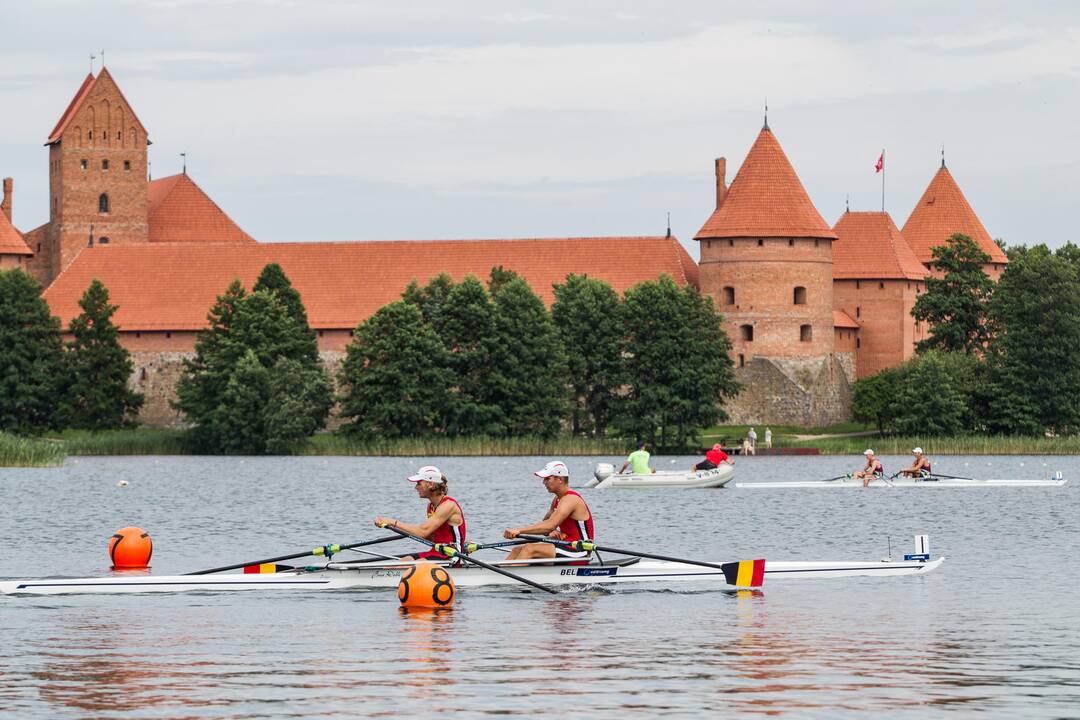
(97, 178)
(766, 259)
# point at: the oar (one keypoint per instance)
(451, 551)
(327, 550)
(473, 547)
(730, 570)
(949, 477)
(838, 477)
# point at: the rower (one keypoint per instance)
(713, 458)
(873, 470)
(638, 462)
(920, 468)
(567, 519)
(445, 523)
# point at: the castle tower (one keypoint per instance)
(13, 249)
(877, 279)
(97, 177)
(943, 211)
(766, 259)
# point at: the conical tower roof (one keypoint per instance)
(179, 211)
(869, 246)
(766, 199)
(11, 240)
(941, 212)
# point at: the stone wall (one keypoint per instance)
(794, 391)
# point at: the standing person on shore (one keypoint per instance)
(752, 437)
(445, 523)
(638, 461)
(873, 470)
(919, 468)
(568, 518)
(768, 437)
(713, 458)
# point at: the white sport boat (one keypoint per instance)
(933, 481)
(552, 573)
(605, 478)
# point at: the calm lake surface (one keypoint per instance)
(996, 630)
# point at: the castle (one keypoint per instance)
(808, 307)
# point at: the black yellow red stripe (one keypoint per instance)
(745, 573)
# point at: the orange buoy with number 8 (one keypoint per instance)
(130, 547)
(426, 585)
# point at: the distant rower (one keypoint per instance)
(568, 519)
(445, 522)
(713, 458)
(920, 468)
(873, 470)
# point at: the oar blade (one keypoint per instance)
(744, 573)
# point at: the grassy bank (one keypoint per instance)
(474, 446)
(971, 445)
(783, 435)
(137, 441)
(26, 452)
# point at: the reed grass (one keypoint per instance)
(467, 446)
(135, 441)
(28, 452)
(960, 445)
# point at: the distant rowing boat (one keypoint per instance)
(934, 481)
(386, 574)
(606, 478)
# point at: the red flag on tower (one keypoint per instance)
(880, 164)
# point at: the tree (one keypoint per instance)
(928, 401)
(528, 382)
(872, 398)
(1034, 367)
(955, 305)
(274, 280)
(586, 313)
(500, 276)
(467, 324)
(678, 366)
(31, 358)
(430, 298)
(97, 368)
(395, 376)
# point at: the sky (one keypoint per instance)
(428, 120)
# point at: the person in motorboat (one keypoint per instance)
(920, 468)
(713, 458)
(445, 523)
(873, 470)
(638, 462)
(568, 518)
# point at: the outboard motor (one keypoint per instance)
(602, 472)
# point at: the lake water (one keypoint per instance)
(996, 630)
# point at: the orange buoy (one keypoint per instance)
(130, 547)
(426, 585)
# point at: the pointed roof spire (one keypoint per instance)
(105, 78)
(941, 212)
(943, 155)
(766, 199)
(869, 246)
(179, 211)
(766, 125)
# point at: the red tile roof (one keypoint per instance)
(11, 240)
(841, 319)
(179, 211)
(766, 199)
(869, 246)
(76, 103)
(941, 212)
(172, 286)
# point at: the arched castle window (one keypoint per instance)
(103, 203)
(746, 332)
(800, 295)
(729, 295)
(806, 333)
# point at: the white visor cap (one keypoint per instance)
(917, 451)
(555, 467)
(868, 453)
(429, 473)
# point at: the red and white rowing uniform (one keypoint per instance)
(574, 530)
(446, 534)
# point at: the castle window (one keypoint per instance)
(83, 164)
(729, 295)
(800, 295)
(746, 332)
(742, 360)
(118, 135)
(806, 333)
(103, 241)
(105, 165)
(816, 242)
(731, 243)
(142, 371)
(858, 311)
(857, 284)
(791, 242)
(881, 286)
(103, 203)
(858, 343)
(760, 242)
(127, 166)
(90, 135)
(168, 335)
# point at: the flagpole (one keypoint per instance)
(882, 179)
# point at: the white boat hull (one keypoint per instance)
(906, 483)
(717, 477)
(335, 576)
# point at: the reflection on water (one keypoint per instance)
(994, 631)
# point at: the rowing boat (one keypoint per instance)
(606, 478)
(386, 574)
(934, 481)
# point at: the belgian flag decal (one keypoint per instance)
(745, 573)
(265, 568)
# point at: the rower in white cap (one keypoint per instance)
(445, 523)
(567, 519)
(920, 468)
(873, 470)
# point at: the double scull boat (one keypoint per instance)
(933, 481)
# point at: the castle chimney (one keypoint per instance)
(6, 204)
(721, 183)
